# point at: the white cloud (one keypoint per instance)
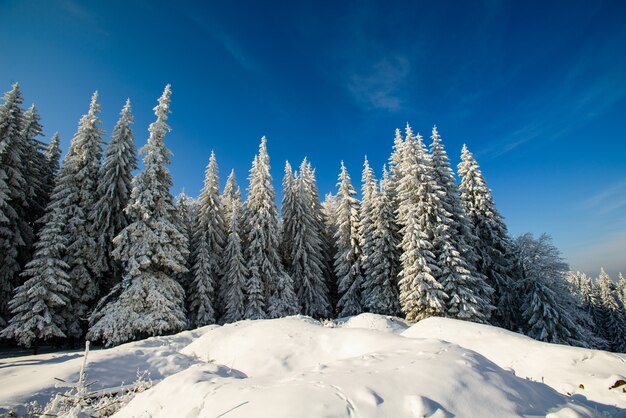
(379, 85)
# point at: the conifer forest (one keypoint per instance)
(94, 246)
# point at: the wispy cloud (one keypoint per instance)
(215, 30)
(608, 200)
(379, 85)
(236, 51)
(83, 15)
(591, 85)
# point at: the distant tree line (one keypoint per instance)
(90, 251)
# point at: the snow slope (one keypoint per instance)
(365, 366)
(33, 378)
(562, 367)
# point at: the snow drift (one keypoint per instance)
(366, 366)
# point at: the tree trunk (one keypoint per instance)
(36, 347)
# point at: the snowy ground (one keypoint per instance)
(365, 366)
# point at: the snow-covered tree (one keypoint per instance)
(269, 288)
(35, 170)
(548, 309)
(382, 265)
(329, 211)
(151, 248)
(234, 267)
(15, 232)
(53, 158)
(421, 295)
(493, 247)
(289, 223)
(369, 190)
(208, 244)
(302, 242)
(78, 182)
(582, 290)
(230, 196)
(395, 166)
(37, 303)
(609, 313)
(467, 290)
(114, 188)
(348, 267)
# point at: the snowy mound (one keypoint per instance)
(366, 366)
(374, 322)
(562, 367)
(296, 367)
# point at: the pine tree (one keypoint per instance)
(302, 242)
(114, 188)
(234, 267)
(467, 290)
(348, 258)
(151, 248)
(15, 233)
(382, 266)
(421, 295)
(78, 181)
(493, 247)
(268, 286)
(208, 243)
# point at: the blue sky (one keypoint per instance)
(536, 89)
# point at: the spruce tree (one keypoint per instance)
(609, 314)
(208, 243)
(15, 232)
(151, 249)
(289, 225)
(348, 258)
(234, 267)
(303, 243)
(308, 178)
(78, 181)
(382, 266)
(231, 196)
(35, 165)
(114, 188)
(53, 157)
(38, 303)
(329, 211)
(581, 289)
(421, 295)
(494, 248)
(369, 191)
(269, 288)
(186, 208)
(467, 290)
